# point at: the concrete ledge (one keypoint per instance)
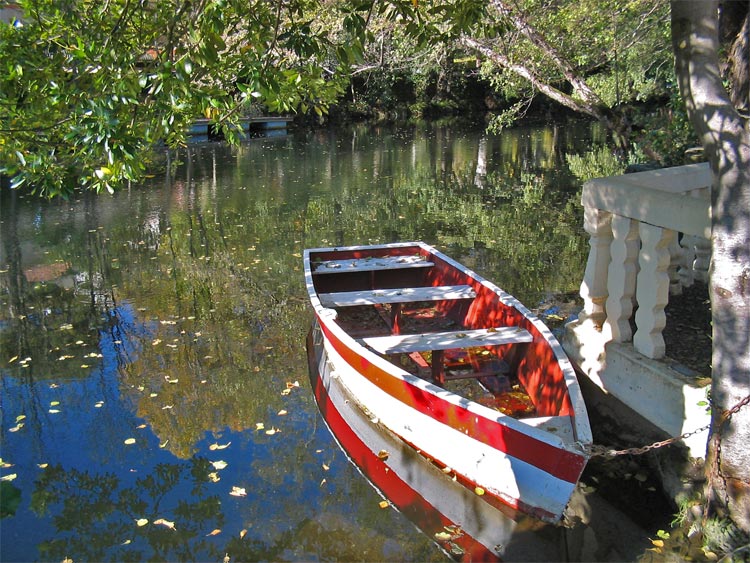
(668, 395)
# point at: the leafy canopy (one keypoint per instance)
(87, 88)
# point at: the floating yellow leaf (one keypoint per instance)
(272, 431)
(323, 482)
(219, 465)
(20, 417)
(126, 542)
(165, 523)
(259, 426)
(243, 533)
(129, 441)
(9, 477)
(214, 477)
(140, 522)
(99, 404)
(54, 403)
(5, 464)
(53, 411)
(13, 359)
(67, 560)
(141, 426)
(286, 391)
(217, 446)
(238, 492)
(215, 532)
(164, 444)
(383, 504)
(325, 467)
(16, 428)
(156, 342)
(282, 412)
(479, 491)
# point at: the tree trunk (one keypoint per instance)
(726, 139)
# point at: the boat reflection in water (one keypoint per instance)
(465, 526)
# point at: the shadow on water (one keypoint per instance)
(155, 396)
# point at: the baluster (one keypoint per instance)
(597, 224)
(652, 291)
(702, 259)
(675, 259)
(686, 272)
(621, 279)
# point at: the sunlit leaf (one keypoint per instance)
(479, 491)
(54, 403)
(325, 467)
(658, 543)
(99, 404)
(164, 444)
(129, 441)
(216, 446)
(13, 359)
(156, 342)
(238, 492)
(259, 426)
(53, 411)
(140, 522)
(165, 523)
(286, 391)
(214, 477)
(443, 536)
(272, 431)
(323, 482)
(282, 412)
(215, 532)
(167, 407)
(384, 504)
(9, 477)
(67, 560)
(16, 428)
(126, 542)
(5, 464)
(141, 426)
(42, 465)
(219, 465)
(243, 533)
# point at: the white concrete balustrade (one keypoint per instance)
(635, 262)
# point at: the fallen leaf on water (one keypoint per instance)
(13, 359)
(286, 391)
(126, 542)
(156, 342)
(42, 465)
(238, 492)
(272, 431)
(54, 403)
(16, 428)
(259, 426)
(140, 522)
(221, 464)
(215, 532)
(243, 532)
(54, 411)
(99, 404)
(217, 446)
(323, 482)
(325, 467)
(167, 407)
(282, 412)
(165, 523)
(141, 426)
(5, 464)
(67, 560)
(164, 444)
(129, 441)
(20, 417)
(226, 558)
(9, 477)
(214, 477)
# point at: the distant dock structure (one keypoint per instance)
(268, 126)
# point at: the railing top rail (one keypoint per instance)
(658, 197)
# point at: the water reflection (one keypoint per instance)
(151, 337)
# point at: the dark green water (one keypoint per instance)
(152, 343)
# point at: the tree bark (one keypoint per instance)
(726, 139)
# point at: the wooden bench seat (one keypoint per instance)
(371, 264)
(437, 342)
(431, 341)
(400, 295)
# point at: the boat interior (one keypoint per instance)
(439, 323)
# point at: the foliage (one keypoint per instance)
(87, 89)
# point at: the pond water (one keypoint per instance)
(155, 395)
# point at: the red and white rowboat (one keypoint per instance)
(453, 366)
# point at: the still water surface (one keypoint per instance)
(155, 394)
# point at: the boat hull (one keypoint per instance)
(460, 522)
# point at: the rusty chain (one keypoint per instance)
(595, 450)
